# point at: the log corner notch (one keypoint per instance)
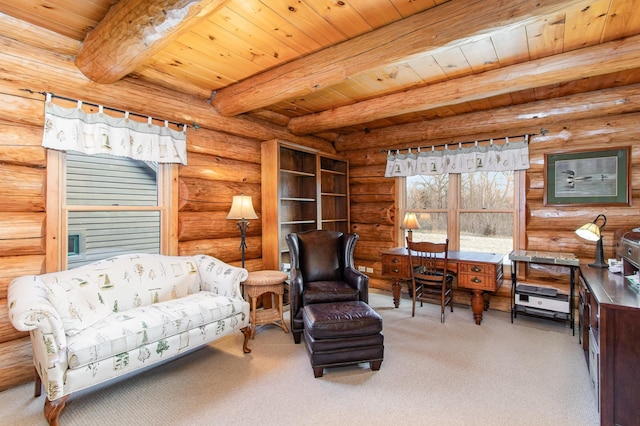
(134, 30)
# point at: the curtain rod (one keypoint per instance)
(195, 126)
(525, 136)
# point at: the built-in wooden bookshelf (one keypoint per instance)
(302, 189)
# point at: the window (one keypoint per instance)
(476, 211)
(109, 206)
(73, 245)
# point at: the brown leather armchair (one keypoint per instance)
(322, 271)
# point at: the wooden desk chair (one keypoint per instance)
(429, 278)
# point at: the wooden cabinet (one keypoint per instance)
(610, 331)
(302, 189)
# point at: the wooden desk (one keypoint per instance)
(479, 272)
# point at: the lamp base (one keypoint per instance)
(599, 265)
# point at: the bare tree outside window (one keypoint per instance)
(484, 209)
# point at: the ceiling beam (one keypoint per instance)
(449, 24)
(134, 30)
(602, 59)
(539, 114)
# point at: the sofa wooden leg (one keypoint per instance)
(318, 371)
(53, 408)
(247, 335)
(375, 365)
(38, 385)
(297, 336)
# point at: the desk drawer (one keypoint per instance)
(395, 266)
(481, 282)
(476, 268)
(481, 276)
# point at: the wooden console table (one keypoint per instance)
(479, 272)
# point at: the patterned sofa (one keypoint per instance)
(122, 314)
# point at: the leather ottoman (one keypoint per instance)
(342, 333)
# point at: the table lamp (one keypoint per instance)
(592, 232)
(410, 222)
(241, 210)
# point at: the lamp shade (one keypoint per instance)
(410, 221)
(589, 231)
(242, 208)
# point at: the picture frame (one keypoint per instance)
(596, 177)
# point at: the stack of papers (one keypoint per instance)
(633, 280)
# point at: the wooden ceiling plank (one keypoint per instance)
(427, 68)
(303, 17)
(133, 31)
(597, 60)
(236, 46)
(198, 48)
(511, 46)
(531, 115)
(408, 8)
(449, 24)
(376, 12)
(38, 37)
(50, 16)
(545, 36)
(270, 22)
(342, 16)
(585, 26)
(257, 41)
(165, 62)
(481, 55)
(453, 62)
(623, 20)
(174, 57)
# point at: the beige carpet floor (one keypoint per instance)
(531, 372)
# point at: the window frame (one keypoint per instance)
(453, 209)
(56, 208)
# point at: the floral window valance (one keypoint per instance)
(75, 130)
(489, 158)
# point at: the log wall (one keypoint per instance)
(223, 156)
(374, 206)
(220, 166)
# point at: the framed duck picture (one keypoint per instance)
(597, 177)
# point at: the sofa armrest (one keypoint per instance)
(220, 277)
(29, 306)
(30, 310)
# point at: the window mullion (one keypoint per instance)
(453, 218)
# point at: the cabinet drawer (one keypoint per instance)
(395, 266)
(594, 314)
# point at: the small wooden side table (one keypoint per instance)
(263, 282)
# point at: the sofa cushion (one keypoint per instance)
(124, 331)
(78, 302)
